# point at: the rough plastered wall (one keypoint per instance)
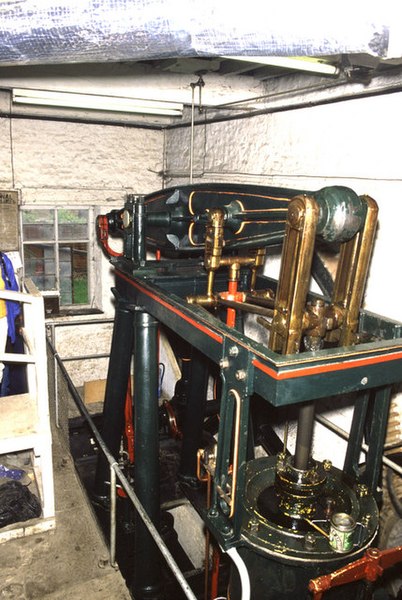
(353, 143)
(77, 164)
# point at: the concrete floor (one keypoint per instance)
(68, 563)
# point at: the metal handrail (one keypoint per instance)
(115, 471)
(51, 326)
(364, 447)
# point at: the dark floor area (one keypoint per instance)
(84, 452)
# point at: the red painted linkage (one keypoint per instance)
(102, 228)
(369, 568)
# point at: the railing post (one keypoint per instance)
(113, 514)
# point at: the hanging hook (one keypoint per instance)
(200, 83)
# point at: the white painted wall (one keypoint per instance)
(60, 163)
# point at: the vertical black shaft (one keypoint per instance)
(115, 395)
(139, 231)
(304, 437)
(147, 572)
(378, 430)
(194, 417)
(354, 448)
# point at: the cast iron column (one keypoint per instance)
(115, 395)
(147, 571)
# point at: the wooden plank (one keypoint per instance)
(94, 391)
(18, 417)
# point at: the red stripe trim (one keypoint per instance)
(212, 334)
(281, 375)
(317, 369)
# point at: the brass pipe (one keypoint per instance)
(207, 541)
(294, 277)
(351, 276)
(237, 398)
(246, 307)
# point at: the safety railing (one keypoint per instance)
(117, 474)
(51, 327)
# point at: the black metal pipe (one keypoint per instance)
(139, 231)
(378, 430)
(353, 451)
(194, 417)
(147, 577)
(115, 395)
(304, 437)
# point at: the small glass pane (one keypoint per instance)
(38, 225)
(73, 262)
(40, 266)
(72, 224)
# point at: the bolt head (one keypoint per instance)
(362, 490)
(224, 363)
(240, 375)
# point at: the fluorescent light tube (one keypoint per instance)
(97, 102)
(300, 63)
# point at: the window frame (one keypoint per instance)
(57, 244)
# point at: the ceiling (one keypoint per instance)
(360, 66)
(162, 50)
(226, 86)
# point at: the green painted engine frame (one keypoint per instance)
(247, 367)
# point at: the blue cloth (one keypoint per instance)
(10, 283)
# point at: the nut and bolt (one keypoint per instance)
(327, 464)
(309, 541)
(233, 351)
(253, 525)
(362, 490)
(227, 530)
(241, 375)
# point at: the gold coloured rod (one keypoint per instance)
(315, 526)
(351, 275)
(294, 277)
(237, 398)
(247, 307)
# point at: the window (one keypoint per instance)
(56, 252)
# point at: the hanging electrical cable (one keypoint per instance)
(243, 573)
